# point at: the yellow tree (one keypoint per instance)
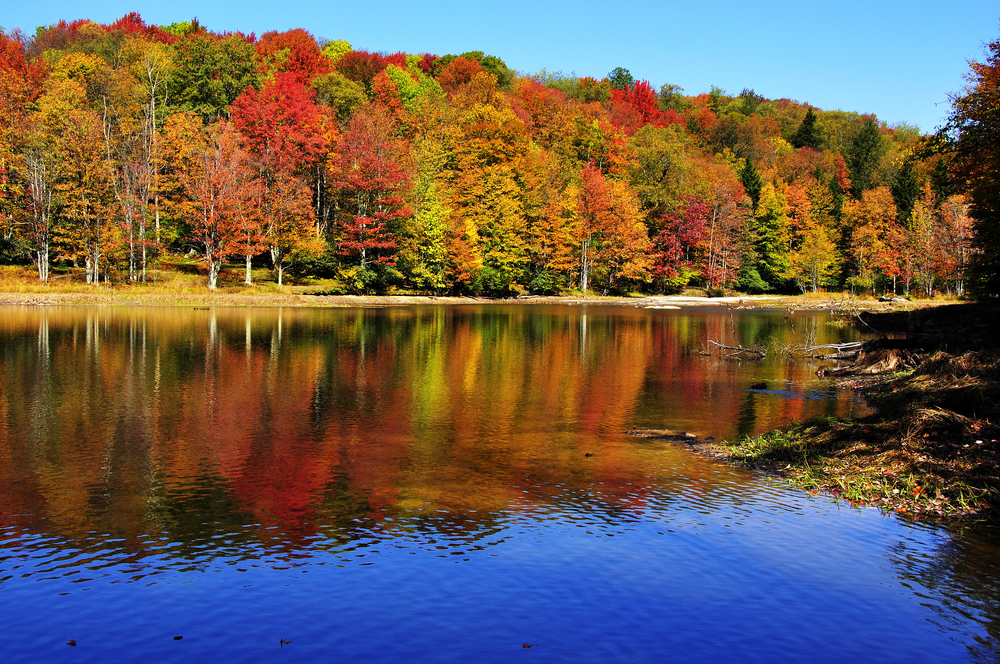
(183, 139)
(75, 136)
(957, 247)
(626, 250)
(149, 66)
(872, 221)
(423, 253)
(614, 243)
(924, 240)
(813, 255)
(42, 168)
(130, 102)
(815, 259)
(551, 222)
(487, 197)
(769, 228)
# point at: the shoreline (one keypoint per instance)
(930, 450)
(300, 297)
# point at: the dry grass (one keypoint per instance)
(931, 450)
(182, 281)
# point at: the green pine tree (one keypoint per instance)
(863, 156)
(905, 191)
(752, 182)
(807, 135)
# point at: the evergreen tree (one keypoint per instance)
(905, 191)
(620, 78)
(750, 102)
(807, 135)
(942, 180)
(863, 156)
(752, 182)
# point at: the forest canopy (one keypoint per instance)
(124, 146)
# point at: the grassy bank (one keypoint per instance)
(184, 284)
(932, 446)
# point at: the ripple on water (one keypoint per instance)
(443, 485)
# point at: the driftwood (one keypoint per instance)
(664, 434)
(844, 351)
(752, 353)
(878, 356)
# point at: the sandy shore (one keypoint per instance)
(141, 297)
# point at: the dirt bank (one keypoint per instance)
(932, 447)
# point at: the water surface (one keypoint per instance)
(442, 484)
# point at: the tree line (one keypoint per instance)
(125, 145)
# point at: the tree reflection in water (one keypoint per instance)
(163, 440)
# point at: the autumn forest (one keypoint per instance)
(126, 147)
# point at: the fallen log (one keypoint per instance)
(755, 353)
(875, 361)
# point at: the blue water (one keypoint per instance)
(774, 576)
(336, 534)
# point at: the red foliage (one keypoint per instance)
(58, 36)
(671, 117)
(20, 84)
(282, 123)
(637, 106)
(538, 106)
(643, 99)
(426, 63)
(624, 115)
(385, 93)
(218, 188)
(17, 72)
(132, 24)
(595, 198)
(304, 59)
(683, 229)
(843, 179)
(361, 67)
(367, 171)
(458, 72)
(398, 59)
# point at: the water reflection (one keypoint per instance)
(135, 418)
(144, 445)
(959, 580)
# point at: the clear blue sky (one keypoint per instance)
(899, 60)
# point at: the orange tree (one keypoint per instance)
(974, 133)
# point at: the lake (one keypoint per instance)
(444, 484)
